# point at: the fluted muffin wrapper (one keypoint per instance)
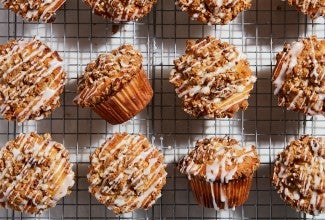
(126, 103)
(219, 195)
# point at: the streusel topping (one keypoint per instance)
(299, 174)
(212, 78)
(35, 173)
(299, 76)
(313, 8)
(31, 80)
(127, 173)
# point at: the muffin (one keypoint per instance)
(299, 174)
(35, 173)
(213, 11)
(314, 8)
(298, 76)
(115, 85)
(34, 10)
(220, 172)
(121, 10)
(212, 78)
(126, 173)
(31, 80)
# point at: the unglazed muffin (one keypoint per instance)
(34, 10)
(220, 172)
(298, 76)
(313, 8)
(121, 10)
(31, 80)
(213, 11)
(115, 85)
(213, 78)
(126, 173)
(35, 173)
(299, 174)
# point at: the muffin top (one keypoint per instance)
(31, 80)
(127, 173)
(214, 11)
(35, 173)
(212, 78)
(313, 8)
(121, 10)
(34, 10)
(299, 76)
(299, 174)
(107, 74)
(219, 160)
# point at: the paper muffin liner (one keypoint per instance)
(221, 195)
(126, 103)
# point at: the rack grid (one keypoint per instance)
(79, 36)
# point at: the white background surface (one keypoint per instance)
(80, 36)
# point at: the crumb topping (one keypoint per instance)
(212, 78)
(121, 10)
(35, 173)
(127, 173)
(34, 10)
(299, 174)
(31, 80)
(107, 74)
(214, 11)
(313, 8)
(299, 76)
(220, 159)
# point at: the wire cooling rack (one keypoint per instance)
(79, 36)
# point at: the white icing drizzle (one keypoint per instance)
(309, 174)
(32, 154)
(142, 183)
(40, 102)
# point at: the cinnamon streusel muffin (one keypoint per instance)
(299, 76)
(121, 10)
(35, 173)
(212, 78)
(220, 172)
(213, 11)
(115, 85)
(299, 174)
(34, 10)
(313, 8)
(31, 80)
(126, 173)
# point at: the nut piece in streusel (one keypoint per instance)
(213, 78)
(121, 10)
(313, 8)
(220, 172)
(299, 174)
(213, 11)
(34, 10)
(126, 173)
(31, 80)
(298, 76)
(35, 173)
(115, 85)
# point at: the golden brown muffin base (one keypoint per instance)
(126, 103)
(221, 195)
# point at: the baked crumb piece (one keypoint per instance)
(313, 8)
(127, 173)
(213, 11)
(34, 10)
(299, 76)
(299, 174)
(212, 78)
(31, 80)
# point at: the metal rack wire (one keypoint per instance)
(79, 36)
